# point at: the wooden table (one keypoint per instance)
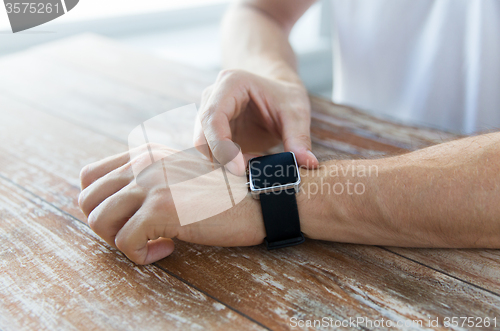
(72, 102)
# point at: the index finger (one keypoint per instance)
(214, 120)
(93, 171)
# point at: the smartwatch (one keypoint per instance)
(274, 180)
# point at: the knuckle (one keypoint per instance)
(141, 161)
(125, 169)
(85, 203)
(158, 195)
(302, 138)
(141, 149)
(226, 73)
(155, 146)
(85, 179)
(305, 139)
(137, 190)
(230, 77)
(125, 172)
(81, 201)
(121, 242)
(92, 221)
(207, 116)
(207, 92)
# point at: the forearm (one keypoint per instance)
(253, 40)
(442, 196)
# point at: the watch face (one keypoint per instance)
(273, 170)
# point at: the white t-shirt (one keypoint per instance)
(431, 62)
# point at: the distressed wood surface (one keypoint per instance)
(50, 128)
(55, 274)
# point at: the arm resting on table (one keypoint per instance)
(446, 195)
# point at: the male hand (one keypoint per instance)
(137, 215)
(256, 113)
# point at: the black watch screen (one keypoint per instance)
(273, 170)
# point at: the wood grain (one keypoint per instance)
(344, 131)
(143, 72)
(55, 274)
(476, 266)
(45, 154)
(327, 279)
(314, 280)
(89, 100)
(83, 113)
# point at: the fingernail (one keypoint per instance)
(314, 156)
(232, 167)
(237, 165)
(311, 153)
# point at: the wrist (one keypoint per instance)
(283, 72)
(338, 202)
(272, 69)
(312, 203)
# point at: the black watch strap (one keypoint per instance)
(281, 219)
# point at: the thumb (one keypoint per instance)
(296, 137)
(158, 249)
